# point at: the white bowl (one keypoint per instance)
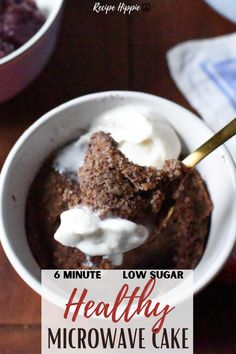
(63, 124)
(21, 67)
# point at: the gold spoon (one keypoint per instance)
(210, 145)
(205, 149)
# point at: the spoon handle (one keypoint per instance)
(214, 142)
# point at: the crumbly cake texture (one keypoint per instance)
(19, 21)
(115, 186)
(110, 183)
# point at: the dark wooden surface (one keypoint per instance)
(96, 52)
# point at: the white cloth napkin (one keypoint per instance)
(205, 72)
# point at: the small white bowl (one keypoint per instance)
(19, 68)
(61, 125)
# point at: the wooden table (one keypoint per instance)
(98, 52)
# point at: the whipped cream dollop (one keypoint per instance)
(82, 228)
(145, 138)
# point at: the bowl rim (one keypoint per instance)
(13, 258)
(36, 37)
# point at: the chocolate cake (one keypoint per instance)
(19, 21)
(110, 183)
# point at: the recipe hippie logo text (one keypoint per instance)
(121, 7)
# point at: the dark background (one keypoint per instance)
(96, 52)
